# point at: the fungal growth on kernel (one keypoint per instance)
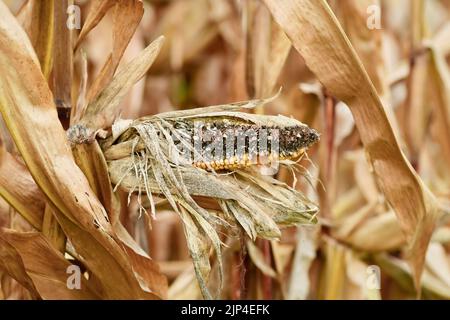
(228, 143)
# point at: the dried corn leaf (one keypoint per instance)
(126, 17)
(52, 230)
(333, 277)
(11, 263)
(36, 17)
(258, 259)
(382, 226)
(97, 11)
(185, 287)
(91, 161)
(329, 54)
(398, 270)
(26, 99)
(33, 262)
(441, 39)
(267, 51)
(437, 262)
(101, 112)
(20, 192)
(199, 247)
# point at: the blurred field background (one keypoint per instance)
(223, 51)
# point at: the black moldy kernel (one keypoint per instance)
(293, 139)
(225, 144)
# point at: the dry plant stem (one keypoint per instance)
(249, 12)
(334, 273)
(328, 159)
(440, 90)
(317, 35)
(52, 230)
(418, 32)
(62, 62)
(62, 86)
(91, 161)
(99, 114)
(21, 192)
(267, 281)
(243, 274)
(267, 48)
(37, 18)
(330, 117)
(416, 109)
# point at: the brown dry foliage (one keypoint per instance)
(73, 172)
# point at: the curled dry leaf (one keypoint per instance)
(97, 11)
(329, 54)
(258, 259)
(26, 99)
(267, 50)
(103, 110)
(32, 261)
(126, 17)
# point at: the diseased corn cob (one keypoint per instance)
(222, 140)
(241, 144)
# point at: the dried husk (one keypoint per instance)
(139, 161)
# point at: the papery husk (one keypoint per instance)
(139, 161)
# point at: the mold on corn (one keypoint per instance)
(224, 144)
